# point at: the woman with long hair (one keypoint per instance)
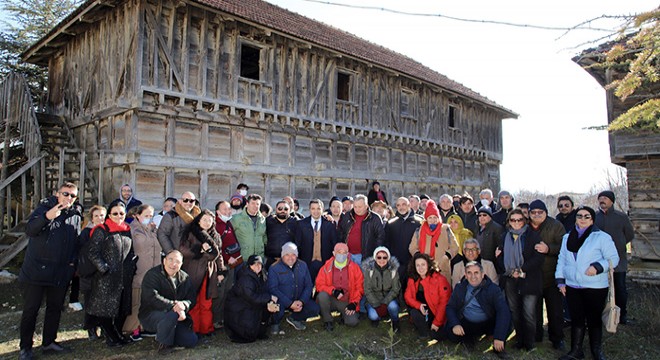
(86, 269)
(200, 247)
(111, 252)
(585, 257)
(427, 295)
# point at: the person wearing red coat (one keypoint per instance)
(427, 295)
(339, 287)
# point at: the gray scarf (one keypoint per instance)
(513, 256)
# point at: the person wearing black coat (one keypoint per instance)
(371, 236)
(486, 312)
(167, 297)
(111, 252)
(399, 231)
(376, 194)
(305, 231)
(566, 215)
(280, 229)
(522, 276)
(249, 304)
(53, 229)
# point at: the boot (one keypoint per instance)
(596, 343)
(577, 339)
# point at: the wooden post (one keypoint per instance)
(61, 166)
(42, 176)
(83, 170)
(100, 177)
(24, 202)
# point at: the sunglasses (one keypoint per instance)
(516, 220)
(282, 208)
(537, 212)
(561, 206)
(381, 257)
(483, 215)
(188, 200)
(68, 194)
(585, 216)
(118, 213)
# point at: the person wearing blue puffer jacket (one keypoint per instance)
(584, 259)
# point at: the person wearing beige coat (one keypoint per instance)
(435, 239)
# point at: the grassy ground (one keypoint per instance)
(364, 342)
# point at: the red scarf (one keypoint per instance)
(112, 227)
(424, 231)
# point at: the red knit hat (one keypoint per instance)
(431, 209)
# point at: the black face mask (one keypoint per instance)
(236, 207)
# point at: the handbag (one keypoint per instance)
(232, 250)
(611, 313)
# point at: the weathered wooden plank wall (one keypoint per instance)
(172, 113)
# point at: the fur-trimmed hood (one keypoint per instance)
(370, 264)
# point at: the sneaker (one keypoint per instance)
(76, 306)
(275, 330)
(298, 325)
(136, 337)
(25, 354)
(145, 334)
(55, 348)
(329, 326)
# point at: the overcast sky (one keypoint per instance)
(526, 70)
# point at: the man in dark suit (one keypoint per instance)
(316, 238)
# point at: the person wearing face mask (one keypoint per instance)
(339, 287)
(237, 203)
(486, 199)
(435, 239)
(231, 255)
(147, 249)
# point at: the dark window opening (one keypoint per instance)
(343, 86)
(405, 103)
(250, 56)
(452, 117)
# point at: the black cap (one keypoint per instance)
(486, 210)
(608, 194)
(538, 205)
(424, 196)
(347, 198)
(254, 259)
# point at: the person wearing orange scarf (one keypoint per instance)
(435, 239)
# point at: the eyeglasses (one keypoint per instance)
(68, 194)
(381, 257)
(471, 250)
(537, 212)
(585, 216)
(517, 220)
(118, 213)
(483, 215)
(282, 209)
(561, 206)
(188, 200)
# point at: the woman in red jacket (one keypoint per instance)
(427, 296)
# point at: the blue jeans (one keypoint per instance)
(357, 258)
(392, 310)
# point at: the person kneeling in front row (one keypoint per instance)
(167, 296)
(477, 307)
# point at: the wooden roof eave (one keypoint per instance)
(35, 54)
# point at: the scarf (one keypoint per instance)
(577, 237)
(187, 217)
(513, 250)
(425, 231)
(111, 227)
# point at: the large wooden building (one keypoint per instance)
(201, 95)
(639, 152)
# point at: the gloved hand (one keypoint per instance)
(351, 307)
(337, 292)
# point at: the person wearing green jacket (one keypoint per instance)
(382, 286)
(250, 227)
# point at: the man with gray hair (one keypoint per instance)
(472, 252)
(362, 230)
(414, 203)
(486, 199)
(477, 306)
(446, 207)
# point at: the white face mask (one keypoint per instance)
(146, 221)
(485, 202)
(243, 192)
(225, 218)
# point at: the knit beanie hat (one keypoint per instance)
(289, 248)
(431, 209)
(485, 210)
(608, 194)
(381, 249)
(537, 204)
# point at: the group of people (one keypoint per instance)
(459, 270)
